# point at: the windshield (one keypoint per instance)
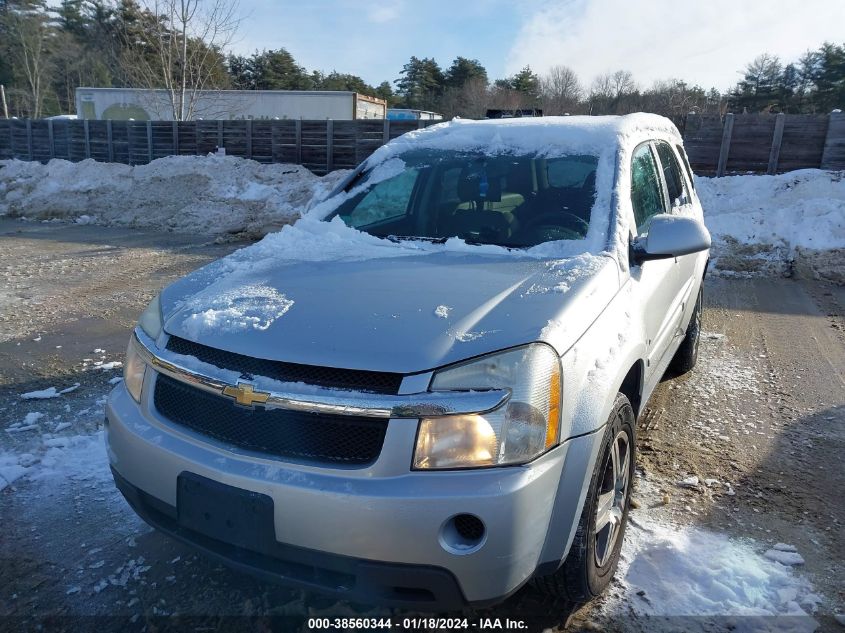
(515, 201)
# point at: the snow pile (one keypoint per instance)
(687, 571)
(203, 194)
(772, 224)
(64, 457)
(50, 392)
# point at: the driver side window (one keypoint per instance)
(646, 188)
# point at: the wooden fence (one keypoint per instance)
(764, 143)
(322, 146)
(756, 143)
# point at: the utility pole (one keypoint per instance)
(3, 101)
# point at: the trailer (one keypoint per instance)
(411, 114)
(138, 104)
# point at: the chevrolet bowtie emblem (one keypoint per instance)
(245, 394)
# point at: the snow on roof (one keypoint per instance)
(545, 136)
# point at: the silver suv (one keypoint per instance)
(423, 394)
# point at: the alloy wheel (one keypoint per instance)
(612, 496)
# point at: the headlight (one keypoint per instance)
(525, 427)
(150, 320)
(133, 371)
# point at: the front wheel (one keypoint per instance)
(594, 554)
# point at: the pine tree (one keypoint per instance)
(829, 78)
(463, 70)
(421, 83)
(278, 70)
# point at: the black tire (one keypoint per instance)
(582, 577)
(686, 356)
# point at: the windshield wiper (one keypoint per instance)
(502, 244)
(412, 238)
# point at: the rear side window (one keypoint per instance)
(646, 190)
(672, 175)
(685, 160)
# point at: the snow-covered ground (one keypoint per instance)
(668, 570)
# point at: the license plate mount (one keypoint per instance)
(242, 518)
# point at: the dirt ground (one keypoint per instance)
(763, 414)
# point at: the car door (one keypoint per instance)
(656, 281)
(682, 201)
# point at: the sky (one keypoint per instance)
(705, 42)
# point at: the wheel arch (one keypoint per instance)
(632, 386)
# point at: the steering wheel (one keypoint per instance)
(580, 226)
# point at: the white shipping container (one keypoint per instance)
(144, 105)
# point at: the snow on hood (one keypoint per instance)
(403, 309)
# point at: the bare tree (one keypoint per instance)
(502, 98)
(29, 58)
(560, 90)
(608, 90)
(469, 101)
(180, 49)
(675, 98)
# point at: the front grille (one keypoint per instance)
(328, 439)
(360, 380)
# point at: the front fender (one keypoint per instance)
(596, 365)
(594, 369)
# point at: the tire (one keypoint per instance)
(594, 555)
(686, 356)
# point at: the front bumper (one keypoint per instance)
(371, 534)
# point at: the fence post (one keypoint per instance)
(249, 138)
(110, 139)
(727, 131)
(777, 137)
(86, 132)
(833, 155)
(420, 124)
(219, 133)
(12, 153)
(299, 141)
(29, 137)
(329, 145)
(385, 136)
(174, 128)
(150, 141)
(129, 143)
(50, 137)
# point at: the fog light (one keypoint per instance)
(463, 534)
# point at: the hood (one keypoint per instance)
(406, 314)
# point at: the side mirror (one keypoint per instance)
(670, 236)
